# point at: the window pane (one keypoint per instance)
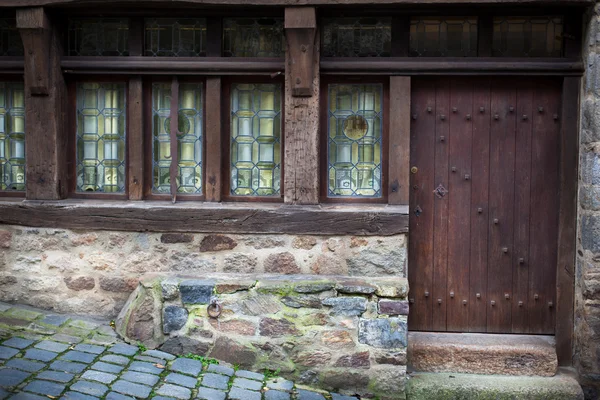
(101, 137)
(528, 36)
(10, 40)
(170, 37)
(189, 139)
(357, 37)
(443, 37)
(255, 139)
(12, 136)
(253, 37)
(99, 37)
(354, 131)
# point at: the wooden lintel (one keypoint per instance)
(207, 217)
(34, 28)
(300, 32)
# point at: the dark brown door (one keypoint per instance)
(484, 204)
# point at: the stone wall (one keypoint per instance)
(587, 290)
(338, 333)
(94, 272)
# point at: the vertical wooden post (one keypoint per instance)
(135, 139)
(212, 161)
(46, 134)
(567, 219)
(399, 137)
(301, 138)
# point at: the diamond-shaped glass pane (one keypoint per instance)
(443, 36)
(253, 37)
(172, 37)
(12, 136)
(99, 37)
(10, 40)
(531, 36)
(357, 37)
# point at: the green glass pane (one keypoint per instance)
(175, 37)
(528, 36)
(443, 37)
(357, 37)
(12, 136)
(253, 37)
(10, 39)
(98, 37)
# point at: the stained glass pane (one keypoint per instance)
(255, 139)
(354, 148)
(253, 37)
(357, 37)
(189, 140)
(171, 37)
(101, 137)
(99, 37)
(12, 136)
(10, 40)
(528, 37)
(443, 37)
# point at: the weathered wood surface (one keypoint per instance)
(300, 30)
(11, 65)
(135, 140)
(399, 137)
(34, 27)
(207, 217)
(213, 168)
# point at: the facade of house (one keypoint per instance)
(338, 174)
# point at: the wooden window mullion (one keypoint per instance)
(136, 37)
(174, 125)
(214, 36)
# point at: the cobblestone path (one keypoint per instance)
(45, 356)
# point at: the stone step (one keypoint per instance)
(476, 353)
(444, 386)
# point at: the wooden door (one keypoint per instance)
(484, 204)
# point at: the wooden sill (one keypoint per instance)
(205, 217)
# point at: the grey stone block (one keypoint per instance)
(7, 352)
(77, 396)
(91, 388)
(40, 355)
(55, 376)
(115, 359)
(243, 394)
(28, 396)
(187, 366)
(12, 377)
(25, 365)
(78, 356)
(152, 360)
(66, 366)
(336, 396)
(159, 354)
(590, 233)
(55, 320)
(140, 377)
(349, 306)
(90, 348)
(18, 343)
(124, 349)
(210, 394)
(4, 394)
(49, 345)
(98, 376)
(590, 168)
(170, 288)
(105, 367)
(174, 318)
(589, 197)
(196, 291)
(280, 384)
(181, 380)
(44, 387)
(382, 332)
(174, 391)
(132, 389)
(220, 369)
(247, 384)
(141, 366)
(277, 395)
(61, 337)
(308, 395)
(215, 381)
(117, 396)
(250, 375)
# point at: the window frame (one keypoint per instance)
(226, 139)
(17, 193)
(324, 135)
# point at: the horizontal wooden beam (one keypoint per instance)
(450, 66)
(12, 65)
(173, 65)
(160, 216)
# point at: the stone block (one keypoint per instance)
(205, 393)
(590, 167)
(132, 389)
(393, 307)
(91, 388)
(181, 380)
(304, 242)
(261, 304)
(40, 355)
(236, 327)
(55, 376)
(146, 367)
(233, 352)
(118, 284)
(18, 343)
(139, 377)
(356, 360)
(220, 369)
(302, 301)
(65, 366)
(355, 288)
(232, 287)
(5, 239)
(281, 263)
(24, 365)
(337, 339)
(240, 263)
(248, 384)
(187, 366)
(78, 356)
(309, 395)
(115, 359)
(217, 243)
(313, 358)
(345, 379)
(277, 395)
(196, 291)
(249, 375)
(215, 381)
(314, 287)
(277, 327)
(242, 394)
(12, 377)
(170, 288)
(382, 332)
(348, 306)
(51, 346)
(395, 288)
(589, 197)
(45, 388)
(159, 354)
(378, 260)
(590, 233)
(175, 391)
(78, 396)
(80, 283)
(169, 238)
(182, 345)
(7, 352)
(90, 348)
(280, 384)
(106, 367)
(174, 318)
(98, 376)
(123, 349)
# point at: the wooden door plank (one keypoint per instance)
(459, 228)
(502, 165)
(422, 144)
(440, 234)
(480, 168)
(399, 140)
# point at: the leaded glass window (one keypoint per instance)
(171, 37)
(99, 37)
(189, 138)
(528, 37)
(255, 139)
(357, 37)
(12, 136)
(101, 137)
(355, 130)
(253, 37)
(443, 37)
(10, 40)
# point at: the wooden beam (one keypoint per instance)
(567, 220)
(214, 36)
(213, 163)
(12, 65)
(300, 29)
(399, 140)
(301, 138)
(207, 217)
(136, 36)
(135, 139)
(46, 128)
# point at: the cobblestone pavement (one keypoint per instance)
(46, 356)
